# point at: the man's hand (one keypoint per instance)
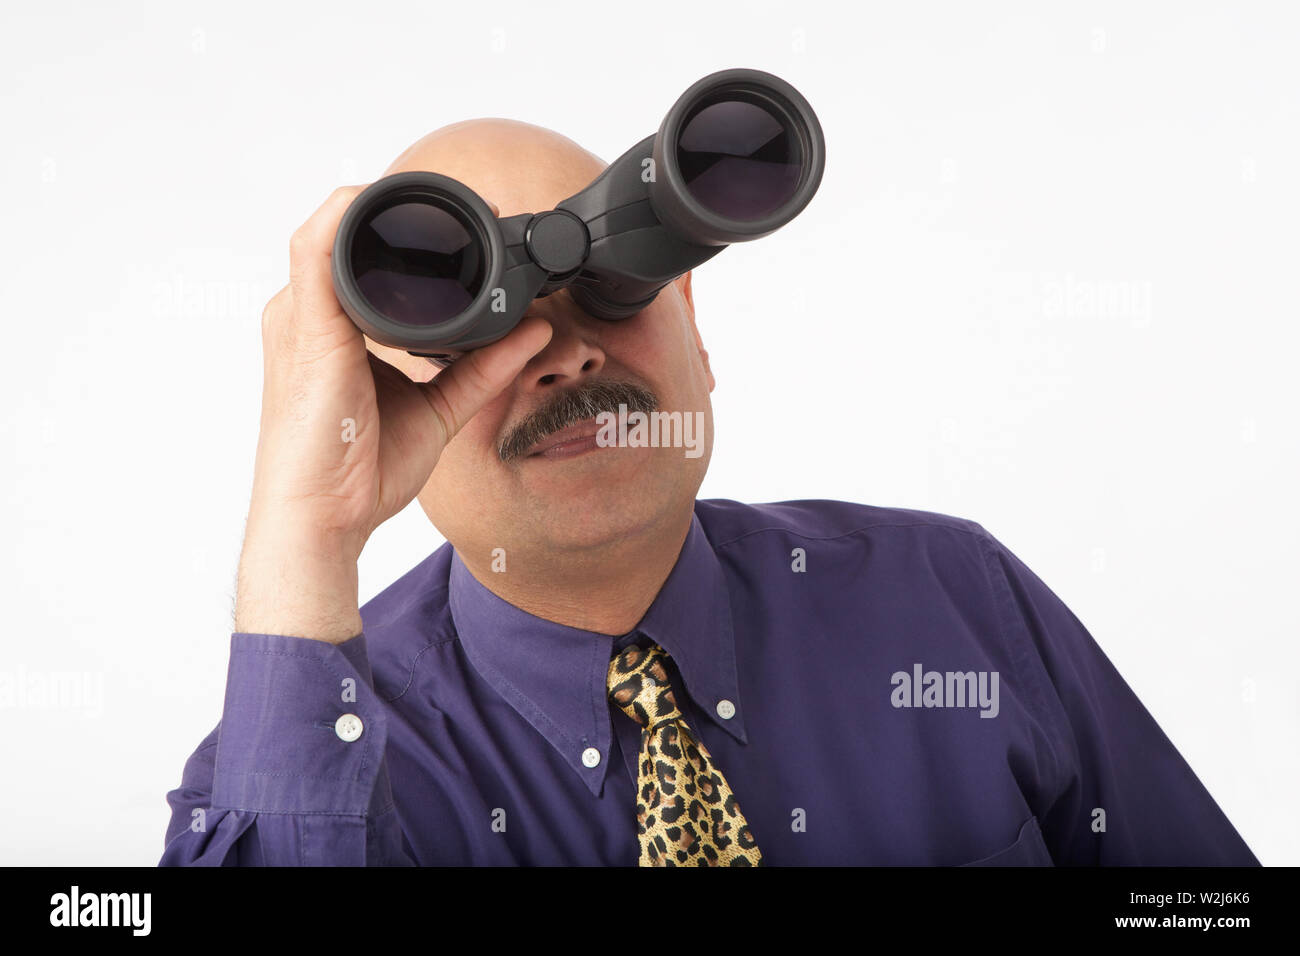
(346, 442)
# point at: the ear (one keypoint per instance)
(684, 288)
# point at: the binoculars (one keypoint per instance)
(420, 262)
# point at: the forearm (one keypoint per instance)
(299, 583)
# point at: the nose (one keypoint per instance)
(571, 356)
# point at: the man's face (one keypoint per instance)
(546, 500)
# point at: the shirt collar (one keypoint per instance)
(554, 675)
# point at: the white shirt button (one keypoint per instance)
(348, 727)
(726, 709)
(591, 756)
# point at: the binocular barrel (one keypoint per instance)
(421, 263)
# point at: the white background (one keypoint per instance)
(1049, 283)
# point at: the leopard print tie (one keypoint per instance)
(686, 813)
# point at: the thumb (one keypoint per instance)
(457, 392)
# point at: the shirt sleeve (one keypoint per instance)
(280, 781)
(1123, 795)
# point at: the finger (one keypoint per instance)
(310, 252)
(457, 392)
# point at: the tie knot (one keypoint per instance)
(638, 685)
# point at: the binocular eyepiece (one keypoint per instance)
(420, 262)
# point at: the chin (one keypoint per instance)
(580, 508)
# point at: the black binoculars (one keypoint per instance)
(420, 262)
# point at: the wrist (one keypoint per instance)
(297, 585)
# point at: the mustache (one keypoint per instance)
(573, 406)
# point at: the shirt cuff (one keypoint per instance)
(302, 730)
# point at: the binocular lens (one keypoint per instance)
(738, 156)
(418, 260)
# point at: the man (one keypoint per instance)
(600, 669)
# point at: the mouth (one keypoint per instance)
(577, 439)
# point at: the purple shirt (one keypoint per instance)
(877, 685)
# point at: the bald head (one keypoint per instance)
(516, 166)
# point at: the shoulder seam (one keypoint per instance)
(415, 662)
(1021, 648)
